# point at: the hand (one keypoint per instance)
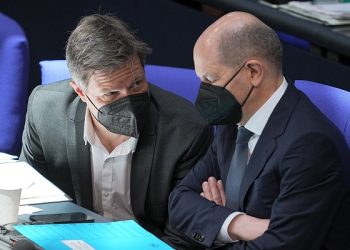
(213, 190)
(246, 228)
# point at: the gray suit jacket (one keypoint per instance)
(174, 138)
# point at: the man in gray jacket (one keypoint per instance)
(112, 141)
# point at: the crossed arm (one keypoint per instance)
(242, 226)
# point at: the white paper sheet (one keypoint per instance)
(25, 209)
(4, 158)
(326, 14)
(35, 188)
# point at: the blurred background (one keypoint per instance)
(313, 49)
(169, 27)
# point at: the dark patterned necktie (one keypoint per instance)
(237, 168)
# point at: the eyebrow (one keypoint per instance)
(139, 75)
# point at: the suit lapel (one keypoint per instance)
(79, 154)
(266, 145)
(142, 164)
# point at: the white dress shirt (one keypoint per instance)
(255, 124)
(110, 174)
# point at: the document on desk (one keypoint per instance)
(5, 158)
(126, 235)
(327, 14)
(35, 187)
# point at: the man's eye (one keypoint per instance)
(137, 83)
(113, 93)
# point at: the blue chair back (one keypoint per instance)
(53, 71)
(180, 81)
(333, 102)
(13, 84)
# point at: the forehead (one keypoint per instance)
(119, 76)
(206, 62)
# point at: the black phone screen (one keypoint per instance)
(61, 218)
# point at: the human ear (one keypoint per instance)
(78, 90)
(256, 72)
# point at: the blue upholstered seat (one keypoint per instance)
(181, 81)
(13, 84)
(333, 102)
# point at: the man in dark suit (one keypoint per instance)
(113, 142)
(280, 188)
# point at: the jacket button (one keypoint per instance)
(198, 237)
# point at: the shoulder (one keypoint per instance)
(55, 98)
(308, 117)
(308, 125)
(50, 93)
(56, 88)
(173, 107)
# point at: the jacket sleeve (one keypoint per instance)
(32, 151)
(198, 148)
(199, 219)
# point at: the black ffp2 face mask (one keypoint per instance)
(217, 105)
(125, 116)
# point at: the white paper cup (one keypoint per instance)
(9, 205)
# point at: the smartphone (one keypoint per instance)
(60, 218)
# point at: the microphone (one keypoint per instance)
(20, 244)
(23, 245)
(5, 241)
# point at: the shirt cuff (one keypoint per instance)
(223, 235)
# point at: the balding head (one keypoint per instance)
(237, 36)
(242, 55)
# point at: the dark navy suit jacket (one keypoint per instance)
(294, 178)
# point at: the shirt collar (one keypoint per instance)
(258, 121)
(89, 131)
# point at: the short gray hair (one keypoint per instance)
(101, 43)
(251, 40)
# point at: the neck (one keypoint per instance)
(259, 96)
